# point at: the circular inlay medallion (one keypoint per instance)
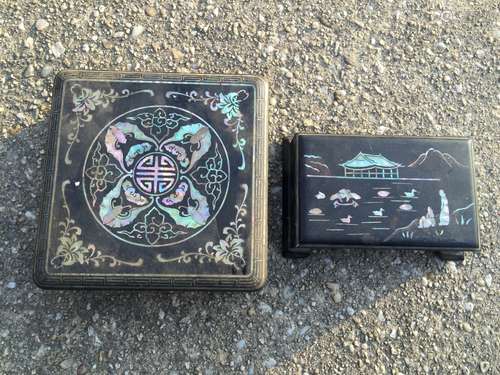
(156, 176)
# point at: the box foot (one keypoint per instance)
(455, 255)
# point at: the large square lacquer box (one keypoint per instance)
(155, 181)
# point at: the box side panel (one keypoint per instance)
(258, 272)
(40, 276)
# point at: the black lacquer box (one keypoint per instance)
(155, 181)
(378, 192)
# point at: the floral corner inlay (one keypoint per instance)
(71, 249)
(229, 250)
(86, 101)
(229, 105)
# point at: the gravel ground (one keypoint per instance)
(384, 67)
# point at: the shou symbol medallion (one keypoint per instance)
(156, 174)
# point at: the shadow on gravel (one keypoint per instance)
(171, 328)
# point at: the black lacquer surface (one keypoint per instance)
(381, 192)
(151, 182)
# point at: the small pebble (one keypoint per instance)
(150, 11)
(57, 49)
(107, 44)
(351, 59)
(382, 129)
(451, 266)
(337, 297)
(467, 327)
(156, 46)
(270, 363)
(340, 95)
(11, 285)
(41, 24)
(30, 215)
(288, 292)
(381, 317)
(29, 42)
(488, 279)
(30, 71)
(85, 47)
(137, 31)
(468, 306)
(394, 333)
(484, 366)
(265, 308)
(241, 344)
(177, 54)
(334, 287)
(161, 314)
(46, 71)
(66, 364)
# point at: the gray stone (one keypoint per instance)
(337, 297)
(241, 344)
(11, 285)
(30, 215)
(67, 364)
(270, 363)
(288, 292)
(265, 308)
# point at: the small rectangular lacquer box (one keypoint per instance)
(377, 192)
(155, 181)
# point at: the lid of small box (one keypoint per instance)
(155, 181)
(385, 191)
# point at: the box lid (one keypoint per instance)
(155, 181)
(409, 192)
